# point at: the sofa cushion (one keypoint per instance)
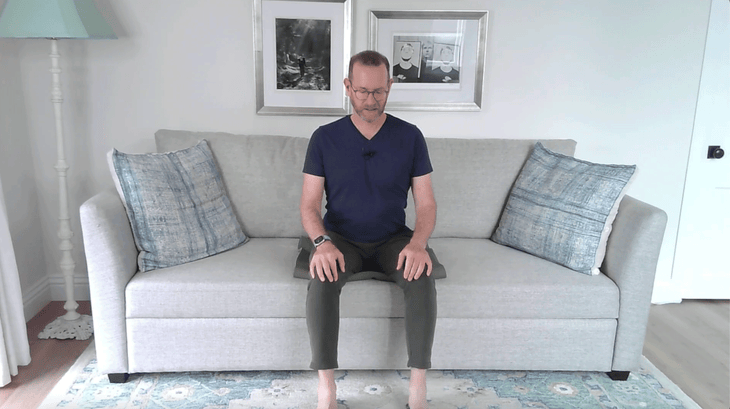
(485, 280)
(562, 209)
(494, 281)
(263, 175)
(472, 179)
(251, 281)
(177, 205)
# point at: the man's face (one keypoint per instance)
(406, 52)
(366, 78)
(447, 55)
(427, 50)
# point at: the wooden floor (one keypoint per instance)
(688, 342)
(50, 359)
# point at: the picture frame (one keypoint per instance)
(451, 50)
(296, 72)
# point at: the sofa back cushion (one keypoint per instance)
(472, 179)
(263, 175)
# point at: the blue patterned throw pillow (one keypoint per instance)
(561, 209)
(177, 205)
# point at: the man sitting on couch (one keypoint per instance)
(367, 162)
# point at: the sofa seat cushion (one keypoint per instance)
(486, 280)
(251, 281)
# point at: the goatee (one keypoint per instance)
(377, 112)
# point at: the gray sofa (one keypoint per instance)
(499, 308)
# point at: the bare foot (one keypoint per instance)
(327, 391)
(417, 389)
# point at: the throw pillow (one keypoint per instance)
(177, 205)
(561, 209)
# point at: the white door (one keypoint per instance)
(701, 261)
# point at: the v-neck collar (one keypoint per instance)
(387, 118)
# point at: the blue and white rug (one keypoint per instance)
(83, 387)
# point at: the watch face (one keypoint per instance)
(319, 240)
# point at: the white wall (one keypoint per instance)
(620, 77)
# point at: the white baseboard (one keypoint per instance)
(37, 297)
(58, 288)
(52, 288)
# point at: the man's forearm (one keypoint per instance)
(425, 223)
(312, 223)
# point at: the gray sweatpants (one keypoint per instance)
(323, 301)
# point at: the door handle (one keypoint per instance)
(715, 152)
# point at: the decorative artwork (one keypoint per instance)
(302, 49)
(426, 58)
(437, 57)
(303, 53)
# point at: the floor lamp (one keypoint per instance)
(54, 19)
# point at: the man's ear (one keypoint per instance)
(390, 83)
(346, 81)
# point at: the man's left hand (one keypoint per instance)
(415, 258)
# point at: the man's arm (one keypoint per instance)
(414, 256)
(310, 205)
(326, 256)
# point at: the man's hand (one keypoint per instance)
(324, 262)
(415, 258)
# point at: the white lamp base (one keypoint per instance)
(72, 325)
(81, 328)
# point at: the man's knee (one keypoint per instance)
(326, 286)
(424, 284)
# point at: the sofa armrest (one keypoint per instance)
(111, 257)
(631, 260)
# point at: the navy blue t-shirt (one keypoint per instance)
(367, 181)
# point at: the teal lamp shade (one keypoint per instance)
(53, 19)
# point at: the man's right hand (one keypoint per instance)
(324, 262)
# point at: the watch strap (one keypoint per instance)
(321, 239)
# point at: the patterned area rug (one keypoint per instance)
(83, 387)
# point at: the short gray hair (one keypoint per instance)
(369, 58)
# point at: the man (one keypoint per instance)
(368, 160)
(405, 71)
(446, 72)
(302, 63)
(426, 57)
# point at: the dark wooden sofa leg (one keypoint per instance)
(118, 377)
(618, 375)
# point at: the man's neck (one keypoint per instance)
(368, 129)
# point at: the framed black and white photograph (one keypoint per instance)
(302, 48)
(428, 58)
(406, 59)
(303, 53)
(437, 57)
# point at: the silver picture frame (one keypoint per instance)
(451, 49)
(302, 77)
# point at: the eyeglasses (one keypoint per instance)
(362, 94)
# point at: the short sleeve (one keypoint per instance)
(313, 164)
(421, 160)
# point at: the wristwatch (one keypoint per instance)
(320, 240)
